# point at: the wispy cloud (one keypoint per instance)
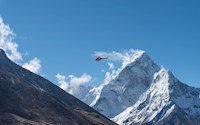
(7, 42)
(10, 47)
(62, 81)
(33, 65)
(124, 57)
(77, 81)
(111, 66)
(71, 83)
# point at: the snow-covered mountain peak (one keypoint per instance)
(141, 68)
(128, 86)
(145, 93)
(143, 63)
(151, 103)
(161, 76)
(165, 96)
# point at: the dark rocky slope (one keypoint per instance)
(28, 99)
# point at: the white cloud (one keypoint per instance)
(61, 80)
(111, 66)
(10, 47)
(124, 57)
(77, 81)
(72, 82)
(7, 43)
(33, 65)
(111, 75)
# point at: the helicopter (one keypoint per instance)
(100, 58)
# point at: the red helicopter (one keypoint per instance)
(100, 58)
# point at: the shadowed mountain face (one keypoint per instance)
(26, 98)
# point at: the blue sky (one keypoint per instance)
(64, 34)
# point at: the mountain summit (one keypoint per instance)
(27, 98)
(3, 55)
(127, 87)
(144, 93)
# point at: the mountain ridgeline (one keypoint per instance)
(28, 99)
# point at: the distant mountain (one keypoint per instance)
(28, 99)
(145, 94)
